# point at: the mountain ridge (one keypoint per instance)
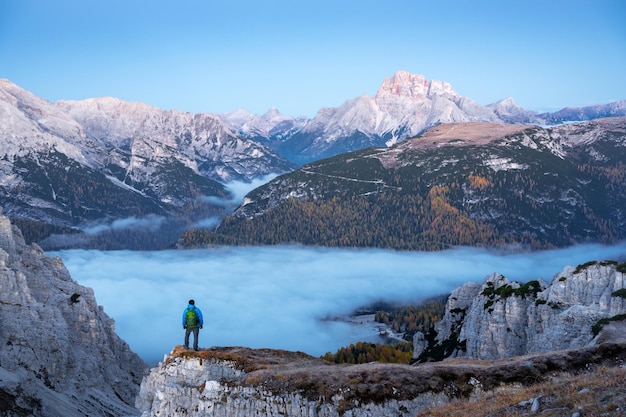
(404, 105)
(75, 164)
(78, 165)
(458, 184)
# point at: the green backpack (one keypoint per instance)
(191, 317)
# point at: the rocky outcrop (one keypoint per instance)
(242, 382)
(59, 353)
(501, 319)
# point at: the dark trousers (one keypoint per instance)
(196, 332)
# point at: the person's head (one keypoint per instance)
(192, 302)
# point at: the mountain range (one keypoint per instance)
(404, 106)
(89, 163)
(82, 171)
(476, 184)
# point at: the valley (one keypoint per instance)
(415, 167)
(380, 210)
(237, 289)
(470, 184)
(364, 203)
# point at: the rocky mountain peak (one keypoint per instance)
(405, 84)
(404, 105)
(507, 109)
(507, 103)
(30, 123)
(413, 86)
(271, 113)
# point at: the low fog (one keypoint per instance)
(155, 232)
(238, 190)
(151, 222)
(282, 297)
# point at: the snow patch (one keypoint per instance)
(503, 164)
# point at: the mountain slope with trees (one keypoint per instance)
(95, 164)
(476, 184)
(76, 165)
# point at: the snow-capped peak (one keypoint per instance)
(237, 118)
(30, 122)
(509, 109)
(267, 125)
(271, 114)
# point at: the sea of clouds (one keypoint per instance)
(283, 297)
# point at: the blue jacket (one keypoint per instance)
(198, 314)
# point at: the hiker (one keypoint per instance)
(192, 322)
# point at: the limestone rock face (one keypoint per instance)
(458, 303)
(59, 353)
(502, 319)
(244, 382)
(419, 344)
(203, 384)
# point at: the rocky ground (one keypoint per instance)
(589, 381)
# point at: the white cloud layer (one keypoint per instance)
(151, 222)
(238, 190)
(277, 297)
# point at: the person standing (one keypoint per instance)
(192, 323)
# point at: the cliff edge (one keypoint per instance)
(59, 353)
(241, 382)
(501, 318)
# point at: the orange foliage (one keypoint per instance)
(477, 182)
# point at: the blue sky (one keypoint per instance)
(300, 56)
